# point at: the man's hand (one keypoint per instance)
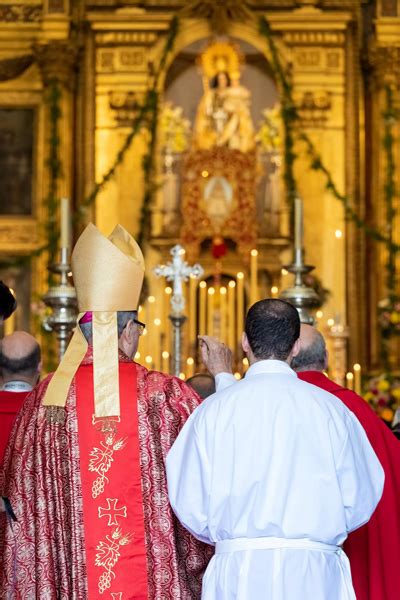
(215, 355)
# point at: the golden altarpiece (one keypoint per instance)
(217, 190)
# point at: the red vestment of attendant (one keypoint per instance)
(51, 488)
(10, 404)
(374, 549)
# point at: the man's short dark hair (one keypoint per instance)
(26, 366)
(272, 327)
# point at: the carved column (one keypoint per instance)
(383, 71)
(57, 63)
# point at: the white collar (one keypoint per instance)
(17, 386)
(269, 366)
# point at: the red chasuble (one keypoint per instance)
(374, 549)
(91, 498)
(10, 404)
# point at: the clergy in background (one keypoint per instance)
(20, 364)
(374, 549)
(275, 473)
(84, 469)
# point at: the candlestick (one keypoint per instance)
(357, 378)
(210, 311)
(65, 218)
(203, 307)
(222, 313)
(240, 307)
(253, 276)
(350, 380)
(231, 314)
(298, 224)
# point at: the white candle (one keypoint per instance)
(350, 380)
(231, 314)
(203, 307)
(222, 313)
(210, 311)
(253, 276)
(357, 378)
(298, 224)
(240, 307)
(65, 218)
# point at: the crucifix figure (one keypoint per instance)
(177, 272)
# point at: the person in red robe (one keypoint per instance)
(374, 549)
(20, 365)
(84, 469)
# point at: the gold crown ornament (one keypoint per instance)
(108, 276)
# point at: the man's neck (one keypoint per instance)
(17, 386)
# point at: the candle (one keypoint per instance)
(165, 361)
(253, 276)
(65, 234)
(274, 291)
(156, 343)
(190, 366)
(357, 378)
(298, 224)
(202, 307)
(222, 313)
(210, 311)
(240, 307)
(192, 311)
(9, 325)
(350, 380)
(231, 314)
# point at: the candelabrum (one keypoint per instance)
(61, 298)
(302, 296)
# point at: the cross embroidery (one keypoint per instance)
(112, 512)
(116, 595)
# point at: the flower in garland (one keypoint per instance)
(269, 135)
(383, 394)
(389, 316)
(174, 129)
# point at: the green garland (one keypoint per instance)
(288, 113)
(148, 117)
(293, 131)
(51, 202)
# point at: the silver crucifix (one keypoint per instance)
(177, 272)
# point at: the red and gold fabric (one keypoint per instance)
(52, 471)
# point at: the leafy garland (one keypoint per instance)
(53, 163)
(291, 121)
(148, 117)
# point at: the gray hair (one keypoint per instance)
(313, 357)
(123, 317)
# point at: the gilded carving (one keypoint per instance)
(125, 107)
(57, 61)
(125, 37)
(120, 59)
(10, 68)
(314, 38)
(20, 12)
(14, 233)
(382, 56)
(219, 12)
(313, 108)
(318, 59)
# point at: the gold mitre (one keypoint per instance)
(108, 272)
(108, 276)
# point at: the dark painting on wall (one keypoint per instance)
(16, 160)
